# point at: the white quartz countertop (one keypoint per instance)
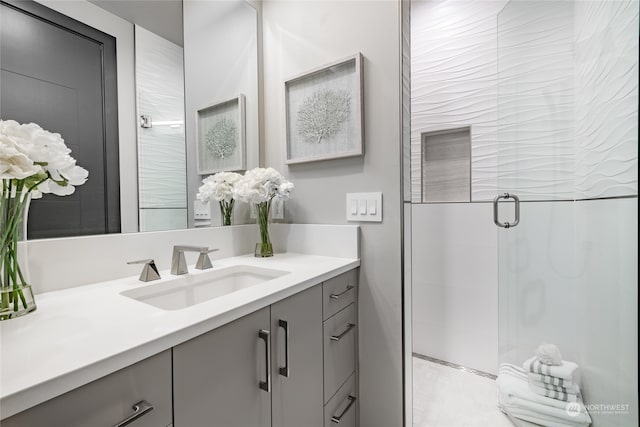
(80, 334)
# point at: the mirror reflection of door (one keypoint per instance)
(61, 74)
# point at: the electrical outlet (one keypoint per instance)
(253, 214)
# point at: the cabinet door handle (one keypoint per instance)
(350, 326)
(336, 418)
(139, 409)
(284, 370)
(265, 336)
(337, 296)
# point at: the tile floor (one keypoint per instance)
(448, 397)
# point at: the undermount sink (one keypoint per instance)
(191, 289)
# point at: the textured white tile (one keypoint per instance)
(453, 82)
(536, 137)
(606, 87)
(448, 397)
(162, 175)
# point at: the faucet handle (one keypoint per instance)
(149, 271)
(204, 262)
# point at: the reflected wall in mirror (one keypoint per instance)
(156, 170)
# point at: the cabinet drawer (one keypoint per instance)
(109, 400)
(339, 349)
(338, 293)
(342, 409)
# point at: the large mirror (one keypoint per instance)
(143, 80)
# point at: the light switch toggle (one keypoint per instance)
(372, 206)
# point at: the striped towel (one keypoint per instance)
(553, 394)
(572, 388)
(551, 381)
(564, 371)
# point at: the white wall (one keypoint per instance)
(122, 30)
(302, 35)
(569, 276)
(455, 283)
(220, 62)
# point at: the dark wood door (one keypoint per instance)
(61, 74)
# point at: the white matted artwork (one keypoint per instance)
(220, 138)
(324, 112)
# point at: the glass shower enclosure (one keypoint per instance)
(566, 210)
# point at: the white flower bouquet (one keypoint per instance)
(260, 186)
(219, 187)
(33, 161)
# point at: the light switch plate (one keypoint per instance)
(364, 207)
(201, 210)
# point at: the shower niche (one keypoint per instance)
(446, 165)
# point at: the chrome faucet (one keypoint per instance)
(179, 263)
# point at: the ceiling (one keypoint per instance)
(163, 17)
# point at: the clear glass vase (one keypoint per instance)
(16, 295)
(264, 248)
(226, 212)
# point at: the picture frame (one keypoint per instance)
(220, 136)
(324, 112)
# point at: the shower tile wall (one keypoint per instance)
(453, 83)
(564, 109)
(606, 85)
(594, 132)
(161, 148)
(454, 284)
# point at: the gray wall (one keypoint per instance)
(299, 36)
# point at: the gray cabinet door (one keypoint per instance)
(297, 379)
(109, 400)
(216, 376)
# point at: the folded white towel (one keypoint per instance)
(542, 419)
(571, 389)
(513, 391)
(564, 371)
(551, 381)
(553, 394)
(549, 354)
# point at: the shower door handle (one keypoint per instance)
(506, 196)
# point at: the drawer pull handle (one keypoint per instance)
(337, 296)
(265, 336)
(139, 409)
(336, 418)
(284, 370)
(350, 326)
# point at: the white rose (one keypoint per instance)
(15, 164)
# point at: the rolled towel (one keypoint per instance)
(549, 354)
(551, 381)
(553, 394)
(571, 388)
(512, 381)
(564, 371)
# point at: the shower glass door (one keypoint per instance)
(567, 150)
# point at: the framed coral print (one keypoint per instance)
(323, 109)
(220, 136)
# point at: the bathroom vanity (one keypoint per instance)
(278, 353)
